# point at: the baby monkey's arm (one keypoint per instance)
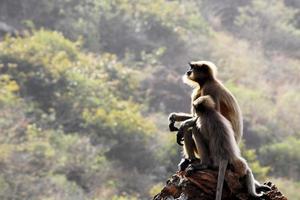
(177, 117)
(184, 126)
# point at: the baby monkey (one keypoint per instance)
(214, 137)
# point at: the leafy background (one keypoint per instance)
(87, 85)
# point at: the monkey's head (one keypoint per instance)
(199, 73)
(203, 103)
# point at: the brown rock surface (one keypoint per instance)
(201, 185)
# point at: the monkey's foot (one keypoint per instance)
(184, 163)
(193, 167)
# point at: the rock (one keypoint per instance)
(201, 185)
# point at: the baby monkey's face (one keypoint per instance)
(203, 103)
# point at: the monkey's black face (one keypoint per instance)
(189, 72)
(198, 72)
(199, 107)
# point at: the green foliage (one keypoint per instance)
(283, 157)
(257, 110)
(34, 156)
(86, 89)
(271, 21)
(288, 187)
(123, 198)
(8, 90)
(288, 112)
(68, 94)
(260, 172)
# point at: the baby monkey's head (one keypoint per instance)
(204, 103)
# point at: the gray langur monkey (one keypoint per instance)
(215, 137)
(202, 76)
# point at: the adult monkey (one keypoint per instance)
(202, 77)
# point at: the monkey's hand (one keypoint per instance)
(172, 118)
(179, 137)
(179, 117)
(172, 127)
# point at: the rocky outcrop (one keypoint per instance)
(201, 185)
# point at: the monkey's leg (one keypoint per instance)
(221, 176)
(189, 144)
(188, 150)
(202, 148)
(203, 152)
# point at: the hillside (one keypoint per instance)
(86, 87)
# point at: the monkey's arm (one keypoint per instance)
(188, 123)
(184, 127)
(177, 117)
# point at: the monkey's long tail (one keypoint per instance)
(222, 169)
(251, 184)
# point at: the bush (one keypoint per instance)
(283, 158)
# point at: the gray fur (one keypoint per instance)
(218, 132)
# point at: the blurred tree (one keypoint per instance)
(75, 100)
(78, 104)
(283, 157)
(270, 22)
